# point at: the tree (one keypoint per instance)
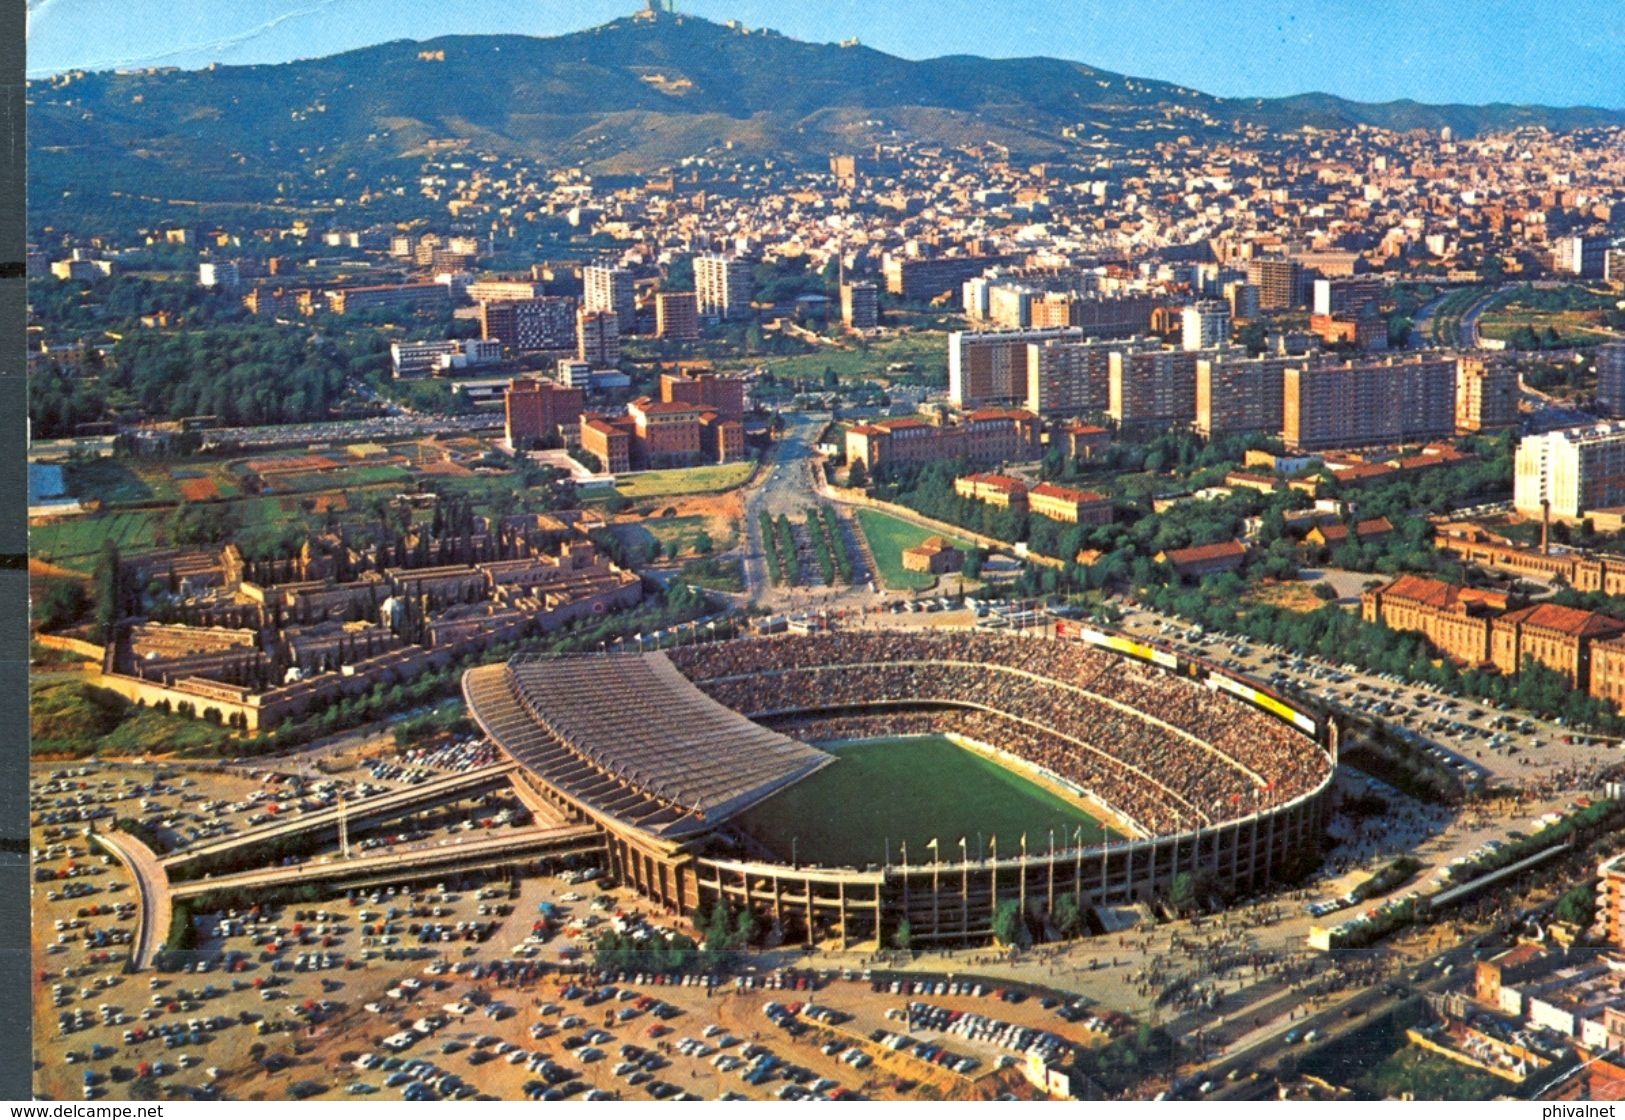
(703, 543)
(1066, 917)
(107, 581)
(64, 601)
(717, 934)
(1010, 925)
(972, 567)
(1184, 894)
(745, 930)
(903, 937)
(671, 550)
(858, 476)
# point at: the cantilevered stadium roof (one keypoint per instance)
(629, 736)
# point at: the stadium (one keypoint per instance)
(956, 772)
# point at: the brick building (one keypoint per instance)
(540, 410)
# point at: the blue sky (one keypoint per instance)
(1554, 52)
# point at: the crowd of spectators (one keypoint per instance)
(1165, 752)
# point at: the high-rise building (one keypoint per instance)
(607, 288)
(1243, 300)
(1204, 325)
(723, 285)
(1347, 297)
(1610, 358)
(540, 410)
(1573, 469)
(219, 274)
(1486, 396)
(860, 305)
(1236, 393)
(1363, 404)
(677, 316)
(1279, 283)
(598, 338)
(990, 367)
(1152, 388)
(545, 323)
(1073, 378)
(1580, 255)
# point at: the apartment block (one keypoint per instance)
(677, 316)
(1152, 388)
(990, 367)
(1236, 394)
(1486, 396)
(723, 285)
(607, 288)
(1363, 404)
(1610, 359)
(598, 338)
(1067, 378)
(1574, 470)
(1204, 325)
(1279, 283)
(544, 323)
(860, 305)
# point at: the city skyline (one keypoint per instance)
(1271, 50)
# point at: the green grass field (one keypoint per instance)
(911, 790)
(73, 542)
(888, 537)
(684, 480)
(926, 351)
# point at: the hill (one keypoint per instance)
(626, 97)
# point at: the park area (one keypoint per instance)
(888, 537)
(882, 793)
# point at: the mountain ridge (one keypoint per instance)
(629, 97)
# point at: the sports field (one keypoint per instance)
(882, 791)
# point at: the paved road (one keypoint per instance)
(151, 888)
(395, 802)
(397, 865)
(788, 485)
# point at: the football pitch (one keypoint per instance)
(881, 793)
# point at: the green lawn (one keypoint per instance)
(684, 480)
(888, 537)
(346, 478)
(926, 351)
(911, 790)
(73, 542)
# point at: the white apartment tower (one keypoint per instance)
(723, 285)
(607, 288)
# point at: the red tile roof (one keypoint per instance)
(1566, 620)
(1067, 493)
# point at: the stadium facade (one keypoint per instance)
(1206, 774)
